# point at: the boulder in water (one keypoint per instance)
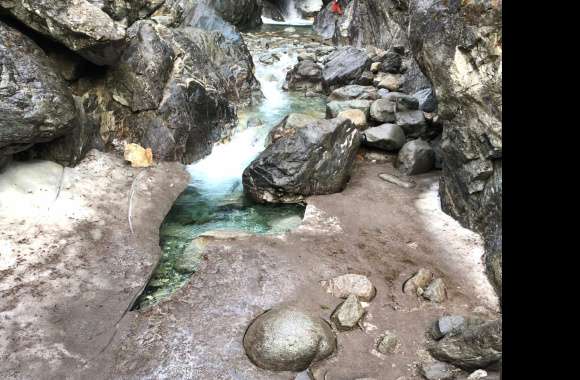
(288, 339)
(305, 76)
(316, 159)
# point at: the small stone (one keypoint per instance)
(138, 156)
(420, 280)
(347, 284)
(436, 292)
(399, 182)
(388, 343)
(375, 67)
(391, 82)
(478, 375)
(445, 325)
(437, 371)
(348, 313)
(357, 117)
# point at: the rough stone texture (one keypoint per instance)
(383, 111)
(78, 24)
(415, 157)
(316, 159)
(344, 66)
(471, 348)
(288, 126)
(413, 123)
(436, 291)
(244, 14)
(347, 284)
(437, 371)
(347, 315)
(389, 137)
(427, 100)
(420, 280)
(35, 104)
(388, 343)
(353, 91)
(72, 262)
(335, 107)
(357, 117)
(305, 76)
(445, 325)
(288, 339)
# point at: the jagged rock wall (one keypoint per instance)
(166, 74)
(457, 46)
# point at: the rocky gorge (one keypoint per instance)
(250, 189)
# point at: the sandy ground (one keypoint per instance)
(70, 266)
(373, 228)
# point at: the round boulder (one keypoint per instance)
(357, 117)
(288, 339)
(389, 137)
(415, 157)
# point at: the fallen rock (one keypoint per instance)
(347, 284)
(391, 82)
(477, 375)
(353, 91)
(314, 160)
(288, 339)
(418, 282)
(474, 347)
(446, 325)
(415, 157)
(437, 371)
(388, 343)
(357, 117)
(305, 76)
(348, 313)
(345, 65)
(397, 181)
(389, 137)
(413, 123)
(35, 104)
(138, 156)
(383, 111)
(288, 126)
(335, 107)
(436, 291)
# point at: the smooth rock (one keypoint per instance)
(353, 91)
(305, 76)
(389, 137)
(437, 371)
(383, 111)
(415, 157)
(288, 339)
(413, 123)
(192, 256)
(418, 282)
(348, 313)
(346, 64)
(357, 117)
(335, 107)
(388, 343)
(347, 284)
(436, 291)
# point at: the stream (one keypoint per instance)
(214, 199)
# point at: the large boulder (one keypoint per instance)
(305, 76)
(80, 25)
(473, 347)
(316, 159)
(288, 339)
(35, 104)
(389, 137)
(344, 66)
(415, 157)
(335, 107)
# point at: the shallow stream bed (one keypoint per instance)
(214, 199)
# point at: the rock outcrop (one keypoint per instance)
(316, 159)
(35, 104)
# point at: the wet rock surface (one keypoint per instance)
(316, 159)
(288, 339)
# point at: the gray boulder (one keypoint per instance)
(392, 63)
(288, 339)
(344, 66)
(305, 76)
(315, 160)
(383, 111)
(35, 104)
(288, 126)
(354, 91)
(415, 157)
(393, 106)
(471, 348)
(80, 25)
(389, 137)
(427, 100)
(335, 107)
(412, 122)
(437, 371)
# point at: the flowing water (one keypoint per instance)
(214, 199)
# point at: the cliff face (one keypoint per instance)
(457, 45)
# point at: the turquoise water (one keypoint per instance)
(214, 199)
